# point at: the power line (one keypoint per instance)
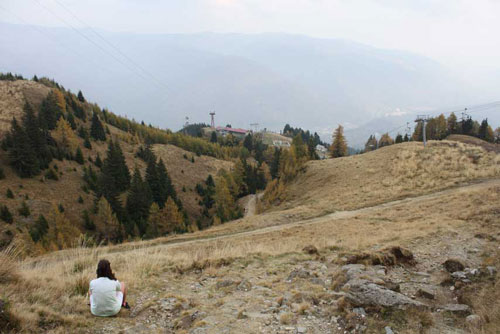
(111, 44)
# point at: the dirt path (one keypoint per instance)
(333, 216)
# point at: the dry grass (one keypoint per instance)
(8, 264)
(12, 97)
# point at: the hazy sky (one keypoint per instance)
(456, 32)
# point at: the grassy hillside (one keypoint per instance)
(42, 194)
(253, 276)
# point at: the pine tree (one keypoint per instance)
(50, 111)
(36, 138)
(339, 145)
(371, 144)
(79, 156)
(80, 96)
(213, 137)
(399, 138)
(115, 167)
(96, 129)
(483, 129)
(98, 161)
(9, 193)
(87, 222)
(39, 229)
(21, 154)
(166, 187)
(87, 144)
(24, 210)
(406, 138)
(275, 163)
(248, 142)
(139, 201)
(5, 215)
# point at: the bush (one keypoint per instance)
(5, 215)
(51, 175)
(80, 199)
(24, 210)
(61, 208)
(9, 193)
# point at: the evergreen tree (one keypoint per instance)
(36, 137)
(96, 129)
(339, 145)
(467, 126)
(87, 144)
(399, 138)
(406, 138)
(166, 186)
(71, 120)
(248, 142)
(80, 96)
(24, 210)
(87, 222)
(51, 110)
(5, 215)
(139, 201)
(371, 144)
(115, 167)
(9, 193)
(21, 154)
(275, 163)
(39, 229)
(98, 161)
(483, 129)
(79, 156)
(213, 137)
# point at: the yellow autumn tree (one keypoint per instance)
(385, 140)
(166, 220)
(60, 101)
(61, 233)
(339, 146)
(265, 170)
(107, 225)
(225, 205)
(65, 136)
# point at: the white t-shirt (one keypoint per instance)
(105, 297)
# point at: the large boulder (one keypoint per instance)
(360, 292)
(453, 265)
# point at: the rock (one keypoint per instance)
(453, 265)
(317, 281)
(359, 311)
(425, 294)
(392, 286)
(245, 285)
(353, 270)
(300, 273)
(474, 320)
(301, 330)
(458, 309)
(364, 293)
(388, 330)
(311, 250)
(491, 270)
(461, 275)
(224, 284)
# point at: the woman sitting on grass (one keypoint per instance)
(107, 294)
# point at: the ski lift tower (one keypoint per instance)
(423, 119)
(212, 119)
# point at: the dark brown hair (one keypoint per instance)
(104, 270)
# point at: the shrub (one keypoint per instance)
(9, 193)
(5, 215)
(51, 175)
(80, 199)
(61, 208)
(24, 210)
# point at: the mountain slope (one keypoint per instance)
(69, 191)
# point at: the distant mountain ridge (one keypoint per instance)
(270, 79)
